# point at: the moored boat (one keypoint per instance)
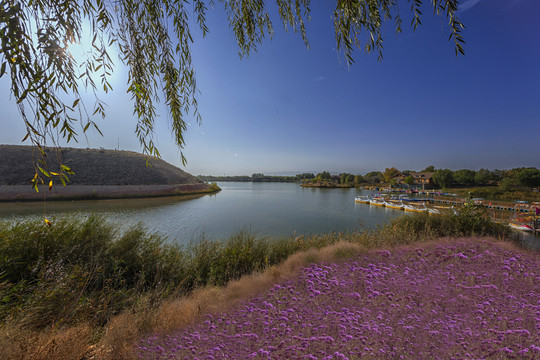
(377, 201)
(364, 199)
(415, 207)
(394, 204)
(445, 209)
(521, 226)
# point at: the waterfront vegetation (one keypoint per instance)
(252, 178)
(512, 184)
(496, 193)
(79, 277)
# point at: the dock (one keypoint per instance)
(491, 205)
(516, 207)
(522, 209)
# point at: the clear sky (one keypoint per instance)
(287, 109)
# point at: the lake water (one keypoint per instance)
(277, 209)
(274, 209)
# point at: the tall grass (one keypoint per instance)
(77, 273)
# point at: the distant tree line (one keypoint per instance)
(326, 178)
(507, 179)
(257, 178)
(374, 177)
(517, 178)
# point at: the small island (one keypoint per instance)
(98, 174)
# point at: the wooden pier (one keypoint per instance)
(491, 205)
(519, 208)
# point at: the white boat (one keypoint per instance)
(394, 204)
(415, 207)
(377, 201)
(442, 209)
(364, 199)
(522, 227)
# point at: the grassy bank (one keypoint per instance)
(63, 288)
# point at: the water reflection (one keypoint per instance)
(18, 209)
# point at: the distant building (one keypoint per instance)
(423, 177)
(400, 178)
(423, 180)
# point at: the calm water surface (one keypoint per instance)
(276, 209)
(273, 209)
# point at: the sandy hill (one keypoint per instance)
(91, 167)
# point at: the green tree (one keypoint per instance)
(325, 175)
(346, 178)
(409, 180)
(509, 183)
(497, 174)
(529, 177)
(483, 177)
(390, 173)
(373, 177)
(512, 173)
(430, 168)
(443, 178)
(154, 38)
(464, 177)
(305, 176)
(257, 177)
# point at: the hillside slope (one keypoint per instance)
(92, 167)
(99, 174)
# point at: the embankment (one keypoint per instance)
(98, 174)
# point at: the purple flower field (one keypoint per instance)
(458, 299)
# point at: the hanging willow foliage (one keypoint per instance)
(153, 38)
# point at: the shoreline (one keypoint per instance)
(26, 193)
(328, 186)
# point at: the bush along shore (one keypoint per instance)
(83, 289)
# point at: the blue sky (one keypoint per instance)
(290, 109)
